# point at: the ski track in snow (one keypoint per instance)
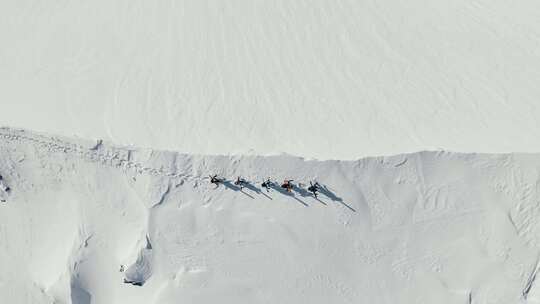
(110, 157)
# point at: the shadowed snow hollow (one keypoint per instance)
(86, 223)
(314, 78)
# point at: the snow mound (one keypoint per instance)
(427, 227)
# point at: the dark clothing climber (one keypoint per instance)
(215, 180)
(314, 188)
(266, 184)
(240, 182)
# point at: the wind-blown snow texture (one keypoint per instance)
(318, 78)
(428, 227)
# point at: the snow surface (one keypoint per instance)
(107, 222)
(427, 227)
(319, 79)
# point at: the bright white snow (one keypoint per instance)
(323, 79)
(90, 222)
(429, 227)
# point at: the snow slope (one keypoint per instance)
(428, 227)
(323, 79)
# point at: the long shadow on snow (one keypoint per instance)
(253, 188)
(234, 187)
(284, 192)
(323, 189)
(304, 193)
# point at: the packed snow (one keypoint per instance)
(318, 79)
(89, 222)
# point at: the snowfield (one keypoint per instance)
(427, 227)
(313, 78)
(134, 104)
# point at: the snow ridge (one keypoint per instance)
(433, 227)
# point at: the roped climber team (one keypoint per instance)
(267, 184)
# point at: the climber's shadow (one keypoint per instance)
(324, 190)
(284, 191)
(305, 193)
(253, 188)
(234, 187)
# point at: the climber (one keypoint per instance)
(215, 180)
(267, 184)
(240, 182)
(287, 185)
(313, 188)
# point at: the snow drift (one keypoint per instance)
(428, 227)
